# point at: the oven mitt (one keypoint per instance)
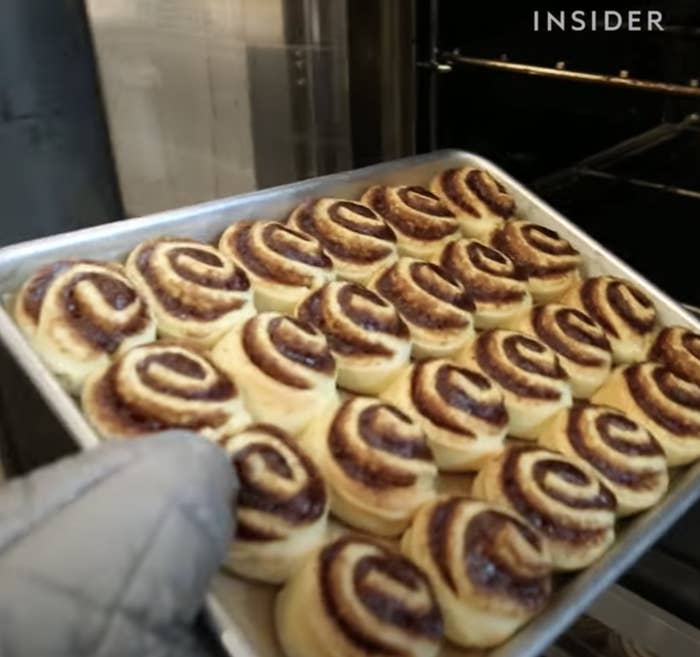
(110, 553)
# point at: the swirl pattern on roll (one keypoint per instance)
(479, 201)
(489, 570)
(550, 262)
(433, 304)
(625, 455)
(423, 224)
(281, 507)
(461, 411)
(283, 367)
(282, 264)
(627, 314)
(80, 313)
(366, 335)
(495, 283)
(581, 345)
(354, 236)
(357, 597)
(678, 348)
(196, 293)
(162, 385)
(534, 384)
(287, 350)
(560, 497)
(377, 463)
(662, 402)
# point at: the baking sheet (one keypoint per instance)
(235, 606)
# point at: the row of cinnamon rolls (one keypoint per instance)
(81, 315)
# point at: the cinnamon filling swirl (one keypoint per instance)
(663, 397)
(458, 389)
(621, 435)
(383, 429)
(385, 586)
(277, 479)
(413, 211)
(184, 259)
(370, 317)
(298, 347)
(572, 334)
(519, 364)
(426, 295)
(552, 476)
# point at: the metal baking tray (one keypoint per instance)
(236, 608)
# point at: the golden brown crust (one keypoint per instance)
(162, 385)
(80, 313)
(626, 456)
(357, 597)
(494, 282)
(460, 409)
(678, 348)
(283, 264)
(489, 569)
(433, 304)
(479, 201)
(626, 314)
(580, 344)
(280, 487)
(356, 238)
(377, 463)
(550, 262)
(562, 498)
(421, 221)
(366, 335)
(196, 293)
(283, 367)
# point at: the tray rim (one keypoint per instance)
(570, 600)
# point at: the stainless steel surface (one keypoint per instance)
(573, 76)
(212, 98)
(207, 221)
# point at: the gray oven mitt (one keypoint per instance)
(109, 553)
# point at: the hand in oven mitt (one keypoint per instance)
(110, 553)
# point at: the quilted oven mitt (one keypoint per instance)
(109, 553)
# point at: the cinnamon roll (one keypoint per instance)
(357, 597)
(581, 345)
(78, 314)
(283, 367)
(550, 263)
(662, 402)
(376, 461)
(195, 292)
(534, 384)
(627, 314)
(461, 411)
(354, 236)
(678, 348)
(491, 572)
(283, 265)
(479, 201)
(282, 505)
(162, 385)
(560, 497)
(423, 224)
(626, 456)
(369, 340)
(435, 307)
(495, 283)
